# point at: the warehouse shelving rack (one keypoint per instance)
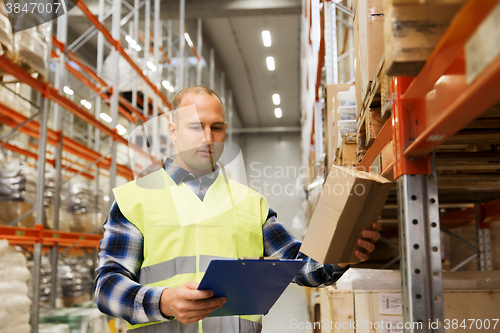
(320, 50)
(458, 84)
(38, 240)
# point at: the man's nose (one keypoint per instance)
(208, 135)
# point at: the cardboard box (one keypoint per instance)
(350, 202)
(369, 43)
(370, 308)
(411, 33)
(332, 118)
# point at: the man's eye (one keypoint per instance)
(217, 128)
(196, 128)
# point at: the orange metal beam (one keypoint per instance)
(30, 236)
(83, 7)
(49, 92)
(402, 135)
(383, 139)
(28, 153)
(491, 211)
(321, 57)
(192, 47)
(440, 99)
(165, 56)
(95, 88)
(12, 118)
(458, 218)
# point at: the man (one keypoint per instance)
(156, 246)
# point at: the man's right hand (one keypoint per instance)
(188, 304)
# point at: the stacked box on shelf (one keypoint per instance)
(15, 305)
(368, 44)
(371, 297)
(17, 183)
(31, 49)
(6, 40)
(333, 117)
(412, 29)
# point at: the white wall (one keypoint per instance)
(272, 165)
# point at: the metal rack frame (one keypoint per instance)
(426, 111)
(37, 239)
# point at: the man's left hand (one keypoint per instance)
(366, 243)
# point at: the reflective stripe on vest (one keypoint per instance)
(178, 246)
(168, 269)
(210, 325)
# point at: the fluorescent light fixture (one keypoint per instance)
(276, 99)
(270, 63)
(138, 48)
(121, 130)
(188, 39)
(68, 91)
(131, 41)
(105, 117)
(106, 198)
(166, 84)
(86, 103)
(151, 66)
(266, 37)
(278, 113)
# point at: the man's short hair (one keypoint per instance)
(196, 90)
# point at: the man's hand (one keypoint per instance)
(187, 304)
(366, 243)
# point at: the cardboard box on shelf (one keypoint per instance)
(369, 44)
(332, 118)
(411, 31)
(375, 311)
(350, 202)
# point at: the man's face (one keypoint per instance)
(200, 131)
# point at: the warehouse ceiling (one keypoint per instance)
(234, 29)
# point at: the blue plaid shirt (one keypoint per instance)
(117, 291)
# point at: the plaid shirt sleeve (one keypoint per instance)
(279, 242)
(117, 291)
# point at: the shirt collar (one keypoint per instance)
(180, 175)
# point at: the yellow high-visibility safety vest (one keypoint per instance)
(182, 234)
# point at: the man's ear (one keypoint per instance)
(172, 130)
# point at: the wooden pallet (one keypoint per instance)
(375, 111)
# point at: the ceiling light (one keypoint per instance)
(106, 198)
(151, 66)
(266, 36)
(68, 91)
(138, 48)
(86, 103)
(278, 113)
(270, 63)
(188, 39)
(105, 117)
(131, 41)
(121, 130)
(166, 84)
(276, 99)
